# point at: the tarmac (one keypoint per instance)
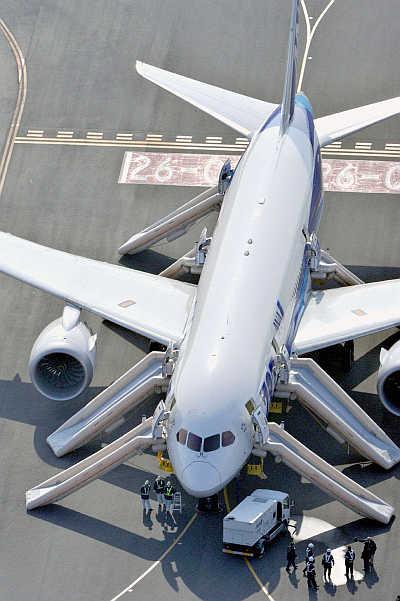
(94, 545)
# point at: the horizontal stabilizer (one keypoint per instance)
(242, 113)
(339, 125)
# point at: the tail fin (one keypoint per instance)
(289, 92)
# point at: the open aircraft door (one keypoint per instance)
(260, 420)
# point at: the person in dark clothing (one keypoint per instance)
(159, 488)
(328, 562)
(368, 552)
(145, 496)
(349, 558)
(291, 557)
(311, 575)
(309, 553)
(169, 497)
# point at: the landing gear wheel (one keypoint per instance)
(348, 355)
(208, 505)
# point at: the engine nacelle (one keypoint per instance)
(62, 360)
(389, 378)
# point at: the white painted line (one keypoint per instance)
(310, 35)
(154, 136)
(123, 175)
(124, 136)
(363, 145)
(65, 134)
(35, 131)
(94, 134)
(184, 138)
(131, 586)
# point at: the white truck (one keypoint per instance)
(256, 521)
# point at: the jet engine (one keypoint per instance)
(62, 360)
(389, 378)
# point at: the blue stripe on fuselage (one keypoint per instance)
(316, 199)
(272, 119)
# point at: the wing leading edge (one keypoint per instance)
(151, 305)
(340, 314)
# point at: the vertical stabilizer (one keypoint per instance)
(289, 92)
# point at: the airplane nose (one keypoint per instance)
(201, 479)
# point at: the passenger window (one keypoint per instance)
(211, 443)
(250, 406)
(194, 442)
(181, 436)
(228, 438)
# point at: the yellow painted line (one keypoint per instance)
(131, 586)
(126, 144)
(262, 586)
(183, 145)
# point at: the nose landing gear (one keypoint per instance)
(209, 505)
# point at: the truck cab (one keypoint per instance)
(255, 522)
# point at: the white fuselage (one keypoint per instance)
(246, 300)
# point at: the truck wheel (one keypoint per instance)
(260, 548)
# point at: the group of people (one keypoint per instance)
(328, 560)
(164, 493)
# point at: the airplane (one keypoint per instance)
(238, 338)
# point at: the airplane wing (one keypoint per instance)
(339, 125)
(243, 113)
(340, 314)
(151, 305)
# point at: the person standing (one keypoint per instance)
(291, 556)
(370, 545)
(327, 562)
(349, 558)
(169, 497)
(309, 553)
(159, 488)
(311, 575)
(145, 496)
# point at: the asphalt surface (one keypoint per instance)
(80, 61)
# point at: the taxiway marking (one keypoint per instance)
(252, 571)
(310, 36)
(211, 143)
(131, 586)
(19, 107)
(189, 169)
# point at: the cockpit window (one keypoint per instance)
(194, 442)
(211, 443)
(181, 436)
(228, 438)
